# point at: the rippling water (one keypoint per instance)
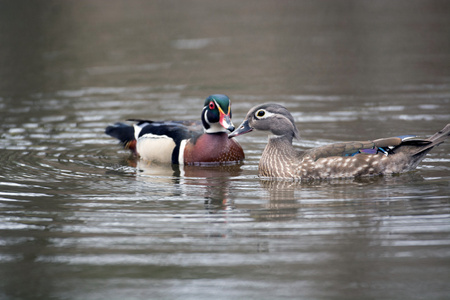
(80, 218)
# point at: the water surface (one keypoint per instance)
(82, 219)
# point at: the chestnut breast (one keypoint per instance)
(211, 148)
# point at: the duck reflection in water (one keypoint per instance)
(282, 203)
(212, 181)
(288, 200)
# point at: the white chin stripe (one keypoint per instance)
(215, 127)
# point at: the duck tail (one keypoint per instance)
(440, 136)
(416, 149)
(124, 133)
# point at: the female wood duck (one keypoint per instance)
(340, 160)
(184, 142)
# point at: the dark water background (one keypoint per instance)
(80, 219)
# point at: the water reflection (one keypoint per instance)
(282, 204)
(213, 181)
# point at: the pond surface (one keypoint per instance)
(82, 219)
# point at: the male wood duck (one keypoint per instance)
(184, 142)
(340, 160)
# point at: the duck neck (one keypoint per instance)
(277, 157)
(282, 145)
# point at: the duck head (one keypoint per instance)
(271, 117)
(216, 114)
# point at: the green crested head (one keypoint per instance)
(216, 114)
(221, 100)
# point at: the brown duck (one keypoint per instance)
(340, 160)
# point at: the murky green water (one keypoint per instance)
(81, 219)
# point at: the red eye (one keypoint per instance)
(211, 105)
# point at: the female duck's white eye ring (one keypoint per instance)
(260, 113)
